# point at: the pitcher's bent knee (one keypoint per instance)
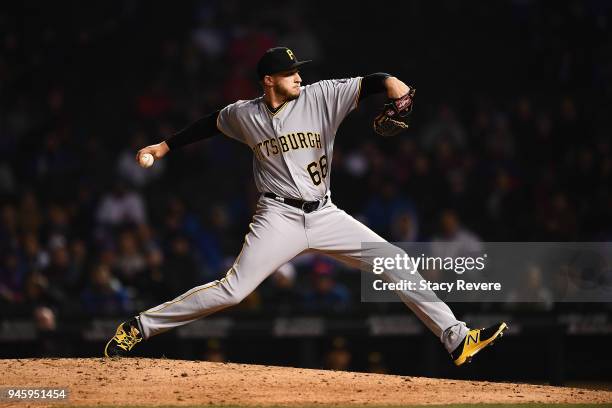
(236, 295)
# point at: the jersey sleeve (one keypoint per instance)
(228, 124)
(341, 97)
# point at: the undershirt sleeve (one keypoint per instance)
(373, 84)
(201, 129)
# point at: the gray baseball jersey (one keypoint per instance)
(293, 147)
(293, 150)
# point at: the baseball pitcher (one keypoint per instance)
(291, 130)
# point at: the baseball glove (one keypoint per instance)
(395, 115)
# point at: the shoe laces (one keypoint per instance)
(127, 340)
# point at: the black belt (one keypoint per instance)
(306, 206)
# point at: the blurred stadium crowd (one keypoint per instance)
(84, 231)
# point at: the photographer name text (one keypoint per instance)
(423, 284)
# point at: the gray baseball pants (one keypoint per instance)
(277, 234)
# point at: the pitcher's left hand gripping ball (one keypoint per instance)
(394, 117)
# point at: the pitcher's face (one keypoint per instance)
(287, 84)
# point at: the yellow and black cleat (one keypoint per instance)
(128, 334)
(476, 340)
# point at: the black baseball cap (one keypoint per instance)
(276, 60)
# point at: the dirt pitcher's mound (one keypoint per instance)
(173, 382)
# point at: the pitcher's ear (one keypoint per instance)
(267, 81)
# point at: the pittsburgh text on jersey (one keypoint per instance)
(291, 141)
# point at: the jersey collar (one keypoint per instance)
(276, 111)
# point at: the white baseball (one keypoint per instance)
(146, 160)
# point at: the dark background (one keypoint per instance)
(510, 142)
